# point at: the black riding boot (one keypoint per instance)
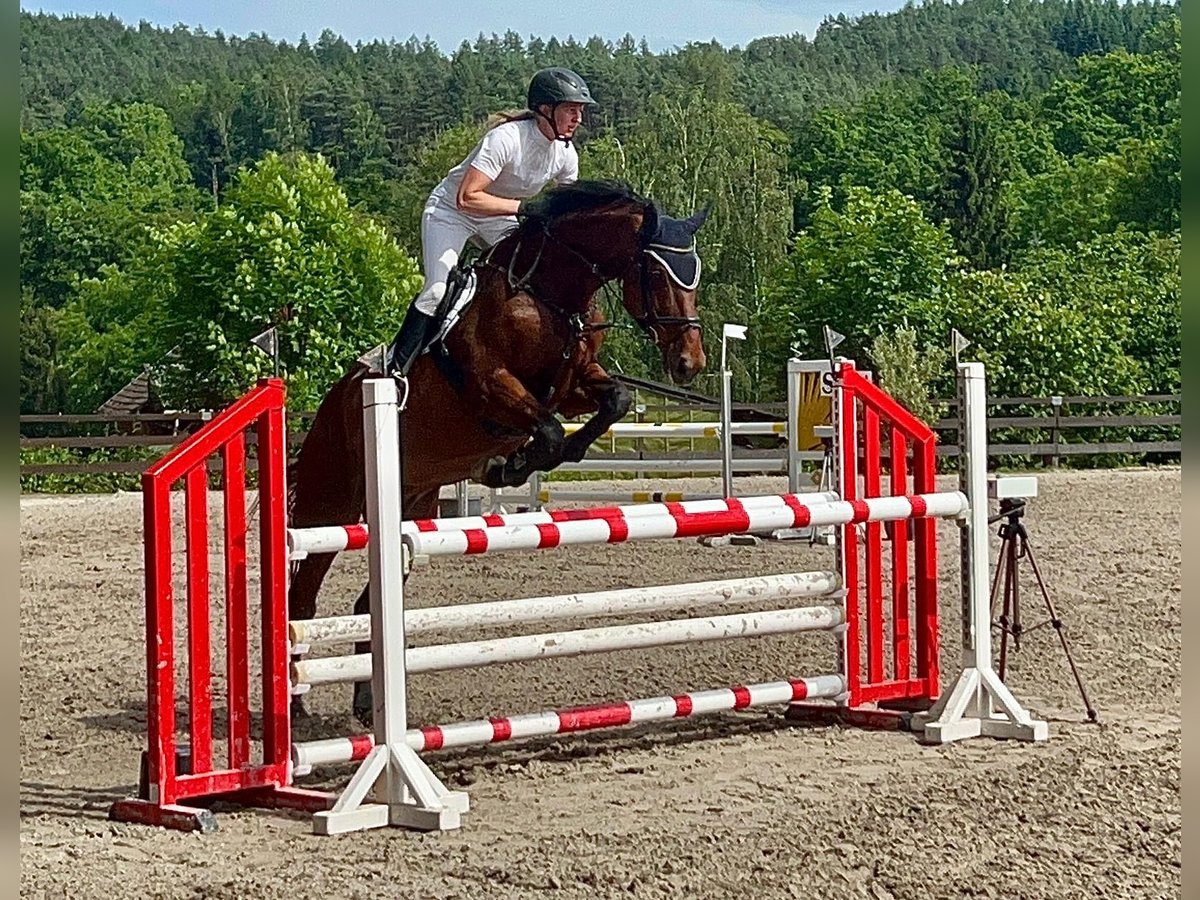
(410, 340)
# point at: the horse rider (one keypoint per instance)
(479, 198)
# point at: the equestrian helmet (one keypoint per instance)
(558, 85)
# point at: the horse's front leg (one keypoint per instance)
(611, 400)
(543, 452)
(506, 399)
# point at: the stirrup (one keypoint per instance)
(402, 387)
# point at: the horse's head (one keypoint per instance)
(660, 292)
(619, 235)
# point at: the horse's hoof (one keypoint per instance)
(364, 708)
(492, 473)
(516, 479)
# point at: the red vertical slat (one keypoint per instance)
(926, 574)
(160, 641)
(849, 491)
(199, 649)
(273, 531)
(900, 626)
(237, 662)
(874, 549)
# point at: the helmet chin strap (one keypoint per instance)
(550, 121)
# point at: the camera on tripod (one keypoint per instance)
(1013, 491)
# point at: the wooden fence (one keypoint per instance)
(1069, 427)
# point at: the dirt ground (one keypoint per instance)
(744, 804)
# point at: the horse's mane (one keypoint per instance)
(579, 197)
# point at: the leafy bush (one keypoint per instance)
(910, 372)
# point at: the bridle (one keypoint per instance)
(650, 321)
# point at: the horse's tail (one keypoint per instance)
(327, 484)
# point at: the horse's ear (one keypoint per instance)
(649, 223)
(696, 219)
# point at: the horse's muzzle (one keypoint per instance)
(686, 363)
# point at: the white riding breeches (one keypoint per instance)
(444, 233)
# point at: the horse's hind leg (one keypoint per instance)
(364, 703)
(302, 600)
(305, 582)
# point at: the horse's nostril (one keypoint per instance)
(685, 370)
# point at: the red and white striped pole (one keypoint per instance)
(336, 538)
(582, 718)
(669, 521)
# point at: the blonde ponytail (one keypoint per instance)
(506, 116)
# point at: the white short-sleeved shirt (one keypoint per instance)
(518, 158)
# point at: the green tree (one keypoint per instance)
(41, 385)
(285, 249)
(689, 151)
(1117, 96)
(971, 199)
(1138, 187)
(866, 267)
(88, 192)
(91, 192)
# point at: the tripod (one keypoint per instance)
(1013, 547)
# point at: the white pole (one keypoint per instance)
(411, 795)
(793, 427)
(972, 479)
(624, 601)
(737, 332)
(535, 489)
(979, 704)
(580, 642)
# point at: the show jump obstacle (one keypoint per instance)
(879, 602)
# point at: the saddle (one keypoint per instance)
(460, 291)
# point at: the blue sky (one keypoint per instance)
(663, 23)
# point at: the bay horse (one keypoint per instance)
(483, 404)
